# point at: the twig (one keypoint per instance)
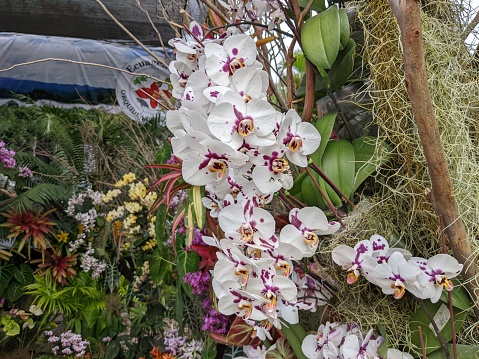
(443, 201)
(216, 11)
(7, 193)
(155, 29)
(80, 63)
(421, 339)
(326, 198)
(449, 293)
(160, 91)
(309, 96)
(130, 34)
(246, 23)
(289, 73)
(469, 28)
(280, 100)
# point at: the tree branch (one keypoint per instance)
(408, 14)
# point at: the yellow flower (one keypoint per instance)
(150, 244)
(110, 195)
(129, 177)
(131, 219)
(145, 181)
(132, 207)
(120, 184)
(63, 237)
(137, 191)
(81, 228)
(149, 199)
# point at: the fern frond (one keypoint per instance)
(41, 194)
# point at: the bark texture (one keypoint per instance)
(408, 14)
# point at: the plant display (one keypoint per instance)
(274, 209)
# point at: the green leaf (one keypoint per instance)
(232, 351)
(367, 158)
(283, 350)
(112, 350)
(112, 276)
(12, 328)
(343, 66)
(187, 261)
(463, 352)
(6, 275)
(318, 5)
(420, 318)
(24, 274)
(344, 31)
(240, 333)
(297, 184)
(321, 39)
(325, 127)
(160, 228)
(310, 193)
(460, 298)
(158, 267)
(14, 291)
(338, 164)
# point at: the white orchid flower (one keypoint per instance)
(306, 226)
(356, 261)
(246, 224)
(355, 347)
(381, 250)
(236, 121)
(397, 354)
(249, 83)
(436, 273)
(209, 161)
(299, 138)
(325, 344)
(222, 61)
(395, 276)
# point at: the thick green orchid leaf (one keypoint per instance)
(440, 312)
(318, 5)
(310, 194)
(325, 127)
(343, 66)
(367, 159)
(460, 298)
(321, 39)
(338, 163)
(297, 184)
(463, 352)
(344, 31)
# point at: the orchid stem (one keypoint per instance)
(449, 294)
(326, 198)
(421, 339)
(436, 329)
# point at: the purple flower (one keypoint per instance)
(199, 282)
(25, 172)
(6, 156)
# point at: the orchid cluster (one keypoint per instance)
(180, 346)
(253, 10)
(233, 142)
(395, 270)
(87, 218)
(131, 215)
(67, 343)
(346, 341)
(89, 262)
(7, 156)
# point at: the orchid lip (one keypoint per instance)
(246, 232)
(279, 165)
(215, 165)
(295, 144)
(236, 64)
(245, 127)
(311, 239)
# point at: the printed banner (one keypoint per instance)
(68, 84)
